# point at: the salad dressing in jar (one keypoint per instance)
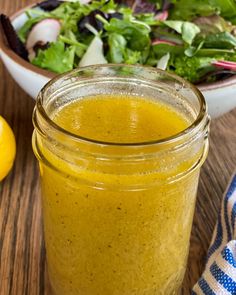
(120, 150)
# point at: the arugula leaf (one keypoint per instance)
(102, 5)
(127, 12)
(70, 39)
(78, 8)
(188, 30)
(107, 6)
(57, 58)
(69, 13)
(220, 40)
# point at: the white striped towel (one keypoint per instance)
(219, 277)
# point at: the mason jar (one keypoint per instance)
(118, 216)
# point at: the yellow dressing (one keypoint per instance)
(110, 239)
(120, 120)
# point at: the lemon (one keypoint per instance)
(7, 148)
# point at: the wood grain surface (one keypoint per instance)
(22, 254)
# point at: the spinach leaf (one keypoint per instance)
(117, 45)
(213, 52)
(188, 30)
(136, 33)
(175, 25)
(162, 49)
(221, 40)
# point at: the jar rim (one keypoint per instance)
(202, 113)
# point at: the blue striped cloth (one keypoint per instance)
(219, 277)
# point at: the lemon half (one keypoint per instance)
(7, 148)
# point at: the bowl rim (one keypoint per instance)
(12, 55)
(20, 61)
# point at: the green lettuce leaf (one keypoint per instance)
(57, 58)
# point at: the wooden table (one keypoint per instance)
(22, 254)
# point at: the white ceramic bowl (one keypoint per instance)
(220, 96)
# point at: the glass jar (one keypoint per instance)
(117, 217)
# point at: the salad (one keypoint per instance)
(195, 39)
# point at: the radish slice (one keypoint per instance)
(229, 65)
(94, 54)
(158, 41)
(32, 54)
(45, 31)
(163, 61)
(162, 15)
